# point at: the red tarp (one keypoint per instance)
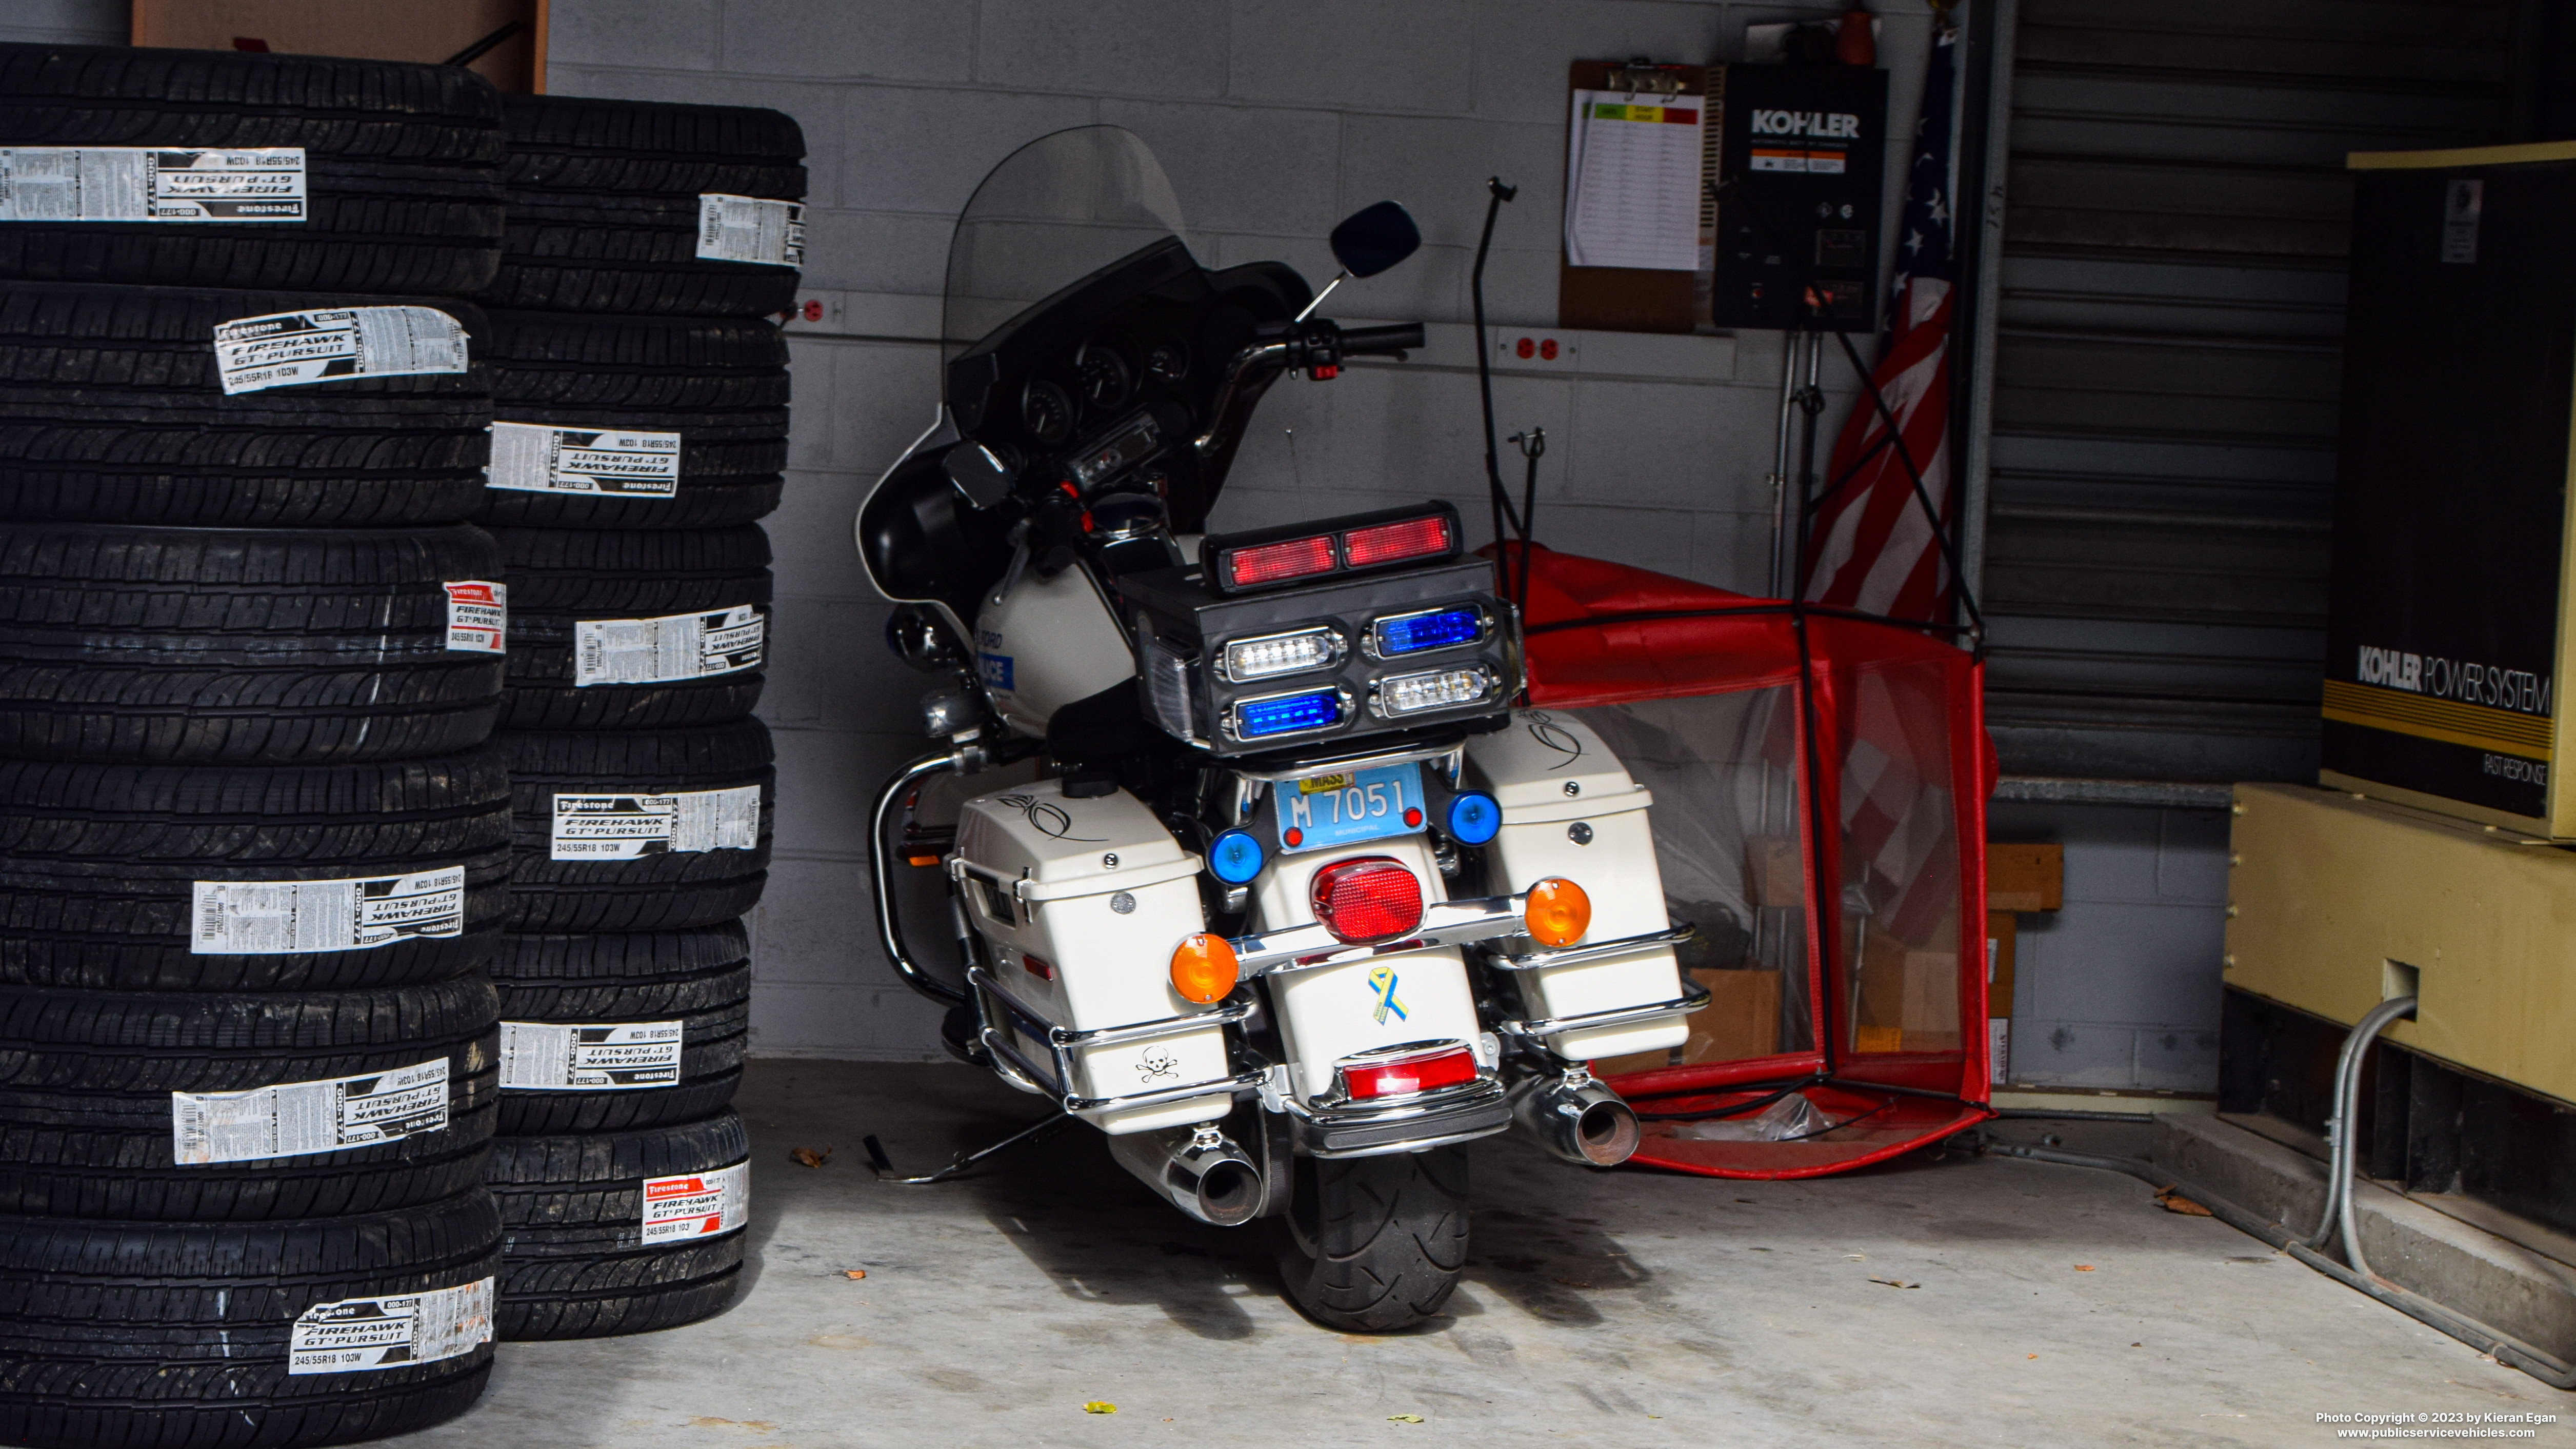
(1886, 746)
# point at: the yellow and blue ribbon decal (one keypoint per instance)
(1382, 980)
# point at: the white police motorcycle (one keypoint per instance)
(1283, 897)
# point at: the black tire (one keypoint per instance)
(666, 889)
(98, 865)
(700, 978)
(626, 254)
(576, 143)
(1373, 1244)
(111, 410)
(402, 163)
(720, 383)
(561, 576)
(238, 645)
(604, 206)
(87, 1117)
(131, 1336)
(574, 1263)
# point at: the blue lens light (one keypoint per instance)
(1287, 714)
(1437, 629)
(1234, 857)
(1474, 819)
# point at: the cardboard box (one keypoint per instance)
(2025, 877)
(1741, 1020)
(368, 29)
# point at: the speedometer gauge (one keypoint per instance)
(1047, 412)
(1104, 376)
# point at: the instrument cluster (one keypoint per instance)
(1108, 376)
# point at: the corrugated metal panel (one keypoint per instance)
(2168, 361)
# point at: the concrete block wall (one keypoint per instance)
(66, 22)
(1274, 121)
(2120, 989)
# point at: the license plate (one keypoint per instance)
(1329, 810)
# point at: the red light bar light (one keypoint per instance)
(1393, 542)
(1373, 898)
(1270, 563)
(1402, 1076)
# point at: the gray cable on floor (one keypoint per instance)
(2344, 1157)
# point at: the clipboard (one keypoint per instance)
(1635, 299)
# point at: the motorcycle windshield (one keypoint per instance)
(1055, 211)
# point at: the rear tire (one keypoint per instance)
(1374, 1244)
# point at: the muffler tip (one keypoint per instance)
(1580, 1120)
(1606, 1132)
(1229, 1193)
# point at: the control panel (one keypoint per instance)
(1801, 161)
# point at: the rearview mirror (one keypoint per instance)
(1375, 238)
(982, 477)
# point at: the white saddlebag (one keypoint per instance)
(1570, 810)
(1082, 901)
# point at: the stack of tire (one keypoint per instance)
(253, 836)
(640, 381)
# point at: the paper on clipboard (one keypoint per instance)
(1632, 181)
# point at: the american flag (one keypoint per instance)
(1870, 545)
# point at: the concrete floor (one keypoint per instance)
(1614, 1309)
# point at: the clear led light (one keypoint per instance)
(1275, 654)
(1403, 694)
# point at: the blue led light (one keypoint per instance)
(1438, 629)
(1287, 714)
(1234, 857)
(1474, 819)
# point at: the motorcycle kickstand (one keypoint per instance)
(881, 1165)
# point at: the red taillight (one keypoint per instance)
(1420, 1072)
(1370, 899)
(1391, 542)
(1269, 563)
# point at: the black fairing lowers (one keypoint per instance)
(924, 542)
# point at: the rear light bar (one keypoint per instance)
(1277, 563)
(1370, 541)
(1399, 1076)
(1372, 898)
(1426, 537)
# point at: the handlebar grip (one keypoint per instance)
(1361, 341)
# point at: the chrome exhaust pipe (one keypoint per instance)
(1578, 1119)
(1199, 1169)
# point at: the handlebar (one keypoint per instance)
(1317, 346)
(1383, 341)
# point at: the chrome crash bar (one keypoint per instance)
(1063, 1042)
(1693, 997)
(1589, 951)
(881, 873)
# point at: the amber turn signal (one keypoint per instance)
(1558, 913)
(1203, 968)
